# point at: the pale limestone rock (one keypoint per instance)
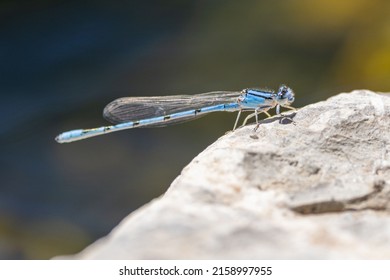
(318, 188)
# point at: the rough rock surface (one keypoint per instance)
(318, 188)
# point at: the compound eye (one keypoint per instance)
(291, 99)
(283, 91)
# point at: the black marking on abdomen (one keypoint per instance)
(135, 123)
(197, 111)
(167, 117)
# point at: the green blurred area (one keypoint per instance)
(318, 48)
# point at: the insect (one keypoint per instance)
(158, 111)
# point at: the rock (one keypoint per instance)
(315, 188)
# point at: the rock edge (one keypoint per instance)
(317, 188)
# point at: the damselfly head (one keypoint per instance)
(285, 95)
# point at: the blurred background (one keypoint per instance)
(61, 62)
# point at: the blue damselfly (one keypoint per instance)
(157, 111)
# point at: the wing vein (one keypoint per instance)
(128, 109)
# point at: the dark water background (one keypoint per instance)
(61, 62)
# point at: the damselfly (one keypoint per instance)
(157, 111)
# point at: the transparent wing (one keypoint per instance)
(128, 109)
